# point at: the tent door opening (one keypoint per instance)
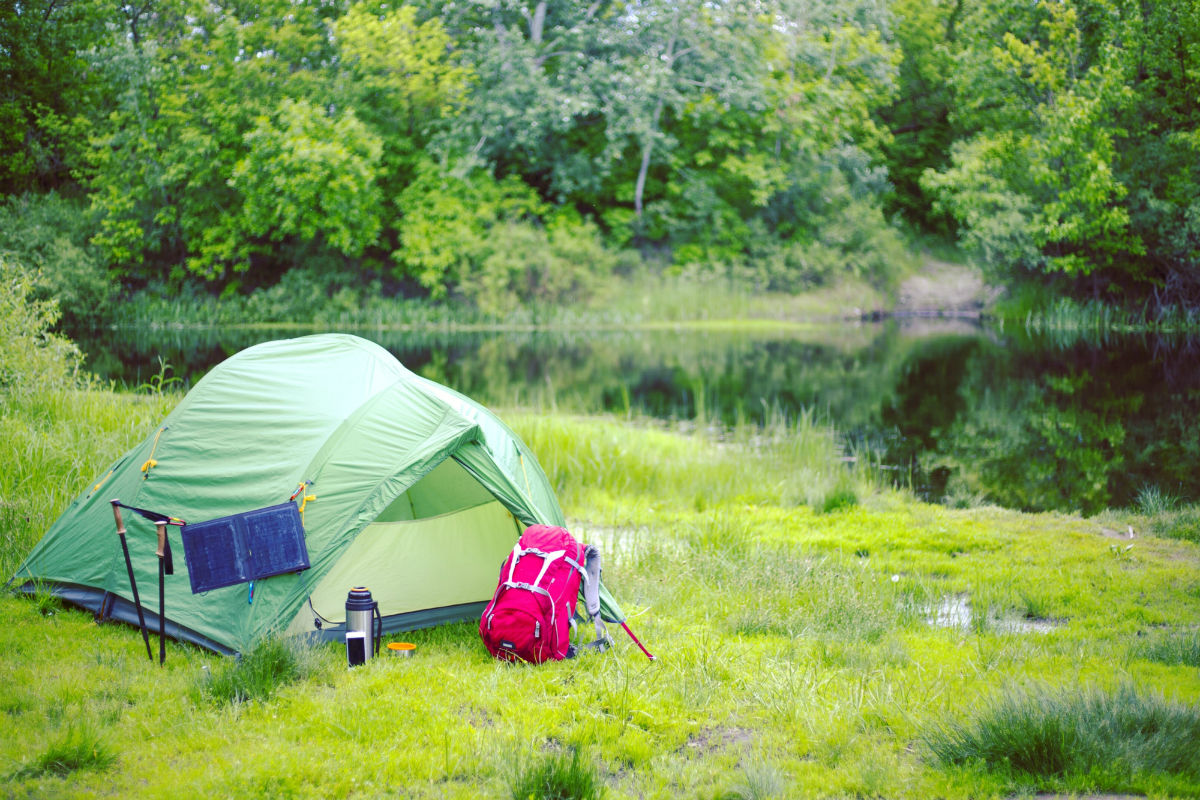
(430, 557)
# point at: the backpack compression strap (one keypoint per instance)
(591, 593)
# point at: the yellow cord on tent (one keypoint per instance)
(150, 462)
(96, 488)
(303, 503)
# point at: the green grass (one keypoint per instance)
(1088, 739)
(556, 775)
(256, 675)
(791, 600)
(58, 440)
(80, 746)
(646, 300)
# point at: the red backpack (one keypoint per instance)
(530, 616)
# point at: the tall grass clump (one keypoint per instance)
(1174, 648)
(1153, 501)
(794, 462)
(556, 775)
(80, 747)
(1172, 520)
(272, 664)
(1083, 737)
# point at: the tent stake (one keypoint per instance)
(137, 603)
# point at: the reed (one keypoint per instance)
(1093, 321)
(793, 461)
(647, 298)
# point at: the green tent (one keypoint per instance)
(417, 493)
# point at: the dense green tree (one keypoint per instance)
(1059, 109)
(48, 95)
(48, 235)
(685, 124)
(394, 75)
(193, 87)
(762, 138)
(534, 107)
(251, 139)
(919, 116)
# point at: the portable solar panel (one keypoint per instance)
(244, 547)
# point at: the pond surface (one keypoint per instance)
(955, 411)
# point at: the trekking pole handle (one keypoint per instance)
(117, 516)
(162, 539)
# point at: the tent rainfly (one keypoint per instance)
(406, 487)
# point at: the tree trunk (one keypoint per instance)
(538, 23)
(639, 188)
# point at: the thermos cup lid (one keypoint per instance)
(359, 599)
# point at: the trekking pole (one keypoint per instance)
(635, 641)
(163, 554)
(137, 603)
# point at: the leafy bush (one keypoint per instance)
(48, 233)
(495, 244)
(31, 356)
(827, 227)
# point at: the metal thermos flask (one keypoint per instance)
(364, 626)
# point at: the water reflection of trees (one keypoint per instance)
(1034, 424)
(1071, 428)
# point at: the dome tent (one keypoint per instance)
(416, 492)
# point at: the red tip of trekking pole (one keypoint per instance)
(638, 643)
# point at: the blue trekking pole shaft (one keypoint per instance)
(137, 603)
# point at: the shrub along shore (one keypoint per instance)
(817, 634)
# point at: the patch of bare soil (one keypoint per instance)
(713, 739)
(944, 289)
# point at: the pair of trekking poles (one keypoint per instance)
(166, 566)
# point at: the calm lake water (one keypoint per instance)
(953, 410)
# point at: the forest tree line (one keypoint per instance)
(501, 151)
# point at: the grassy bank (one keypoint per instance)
(817, 637)
(1041, 311)
(647, 298)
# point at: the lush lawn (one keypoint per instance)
(816, 636)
